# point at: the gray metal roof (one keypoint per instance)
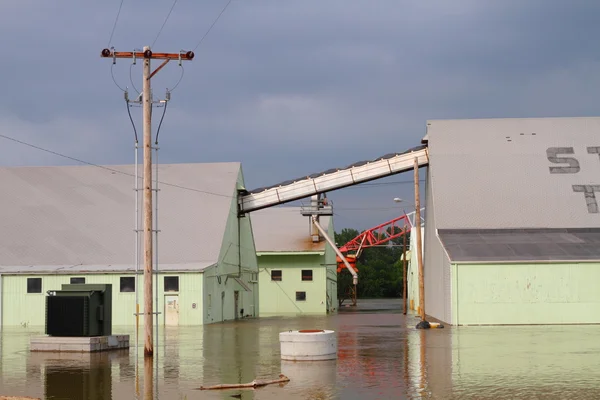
(98, 269)
(516, 245)
(496, 173)
(83, 217)
(284, 229)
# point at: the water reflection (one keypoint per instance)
(77, 376)
(317, 379)
(380, 356)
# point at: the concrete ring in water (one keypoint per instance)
(308, 345)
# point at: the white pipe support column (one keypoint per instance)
(337, 251)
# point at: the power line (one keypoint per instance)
(115, 24)
(131, 119)
(164, 23)
(213, 24)
(108, 168)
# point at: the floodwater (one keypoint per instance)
(380, 356)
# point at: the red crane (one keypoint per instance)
(375, 236)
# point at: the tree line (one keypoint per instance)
(380, 269)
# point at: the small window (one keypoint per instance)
(209, 301)
(171, 284)
(34, 285)
(307, 275)
(276, 275)
(77, 280)
(300, 296)
(127, 284)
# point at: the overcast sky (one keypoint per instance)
(290, 88)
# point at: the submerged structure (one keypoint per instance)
(297, 276)
(512, 233)
(76, 224)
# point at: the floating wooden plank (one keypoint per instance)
(254, 384)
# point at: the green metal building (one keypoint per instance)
(512, 227)
(75, 224)
(296, 275)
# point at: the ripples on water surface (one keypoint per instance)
(380, 356)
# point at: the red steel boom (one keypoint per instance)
(375, 236)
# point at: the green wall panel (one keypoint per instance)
(543, 293)
(20, 308)
(279, 297)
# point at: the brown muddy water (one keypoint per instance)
(380, 356)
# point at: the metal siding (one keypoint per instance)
(557, 293)
(22, 308)
(436, 266)
(331, 268)
(279, 297)
(84, 215)
(285, 229)
(216, 310)
(237, 240)
(483, 180)
(522, 245)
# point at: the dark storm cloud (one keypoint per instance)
(288, 87)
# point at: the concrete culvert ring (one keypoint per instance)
(308, 345)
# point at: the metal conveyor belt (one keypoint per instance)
(332, 179)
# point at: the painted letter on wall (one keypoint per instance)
(590, 196)
(553, 152)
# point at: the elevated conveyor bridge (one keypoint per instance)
(332, 179)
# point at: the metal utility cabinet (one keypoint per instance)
(79, 310)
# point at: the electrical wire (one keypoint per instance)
(115, 24)
(213, 24)
(180, 78)
(131, 79)
(113, 77)
(164, 23)
(110, 169)
(131, 119)
(161, 121)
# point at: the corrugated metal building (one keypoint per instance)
(76, 223)
(512, 234)
(296, 275)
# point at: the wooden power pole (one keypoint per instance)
(404, 263)
(147, 102)
(419, 249)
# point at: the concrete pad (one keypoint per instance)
(78, 344)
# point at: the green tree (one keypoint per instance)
(379, 268)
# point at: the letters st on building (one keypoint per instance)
(571, 165)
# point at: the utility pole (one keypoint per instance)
(147, 102)
(147, 205)
(404, 263)
(419, 244)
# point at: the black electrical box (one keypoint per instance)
(79, 310)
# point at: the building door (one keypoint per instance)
(236, 299)
(171, 310)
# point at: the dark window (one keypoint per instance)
(34, 285)
(307, 274)
(171, 284)
(300, 296)
(127, 284)
(77, 280)
(276, 275)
